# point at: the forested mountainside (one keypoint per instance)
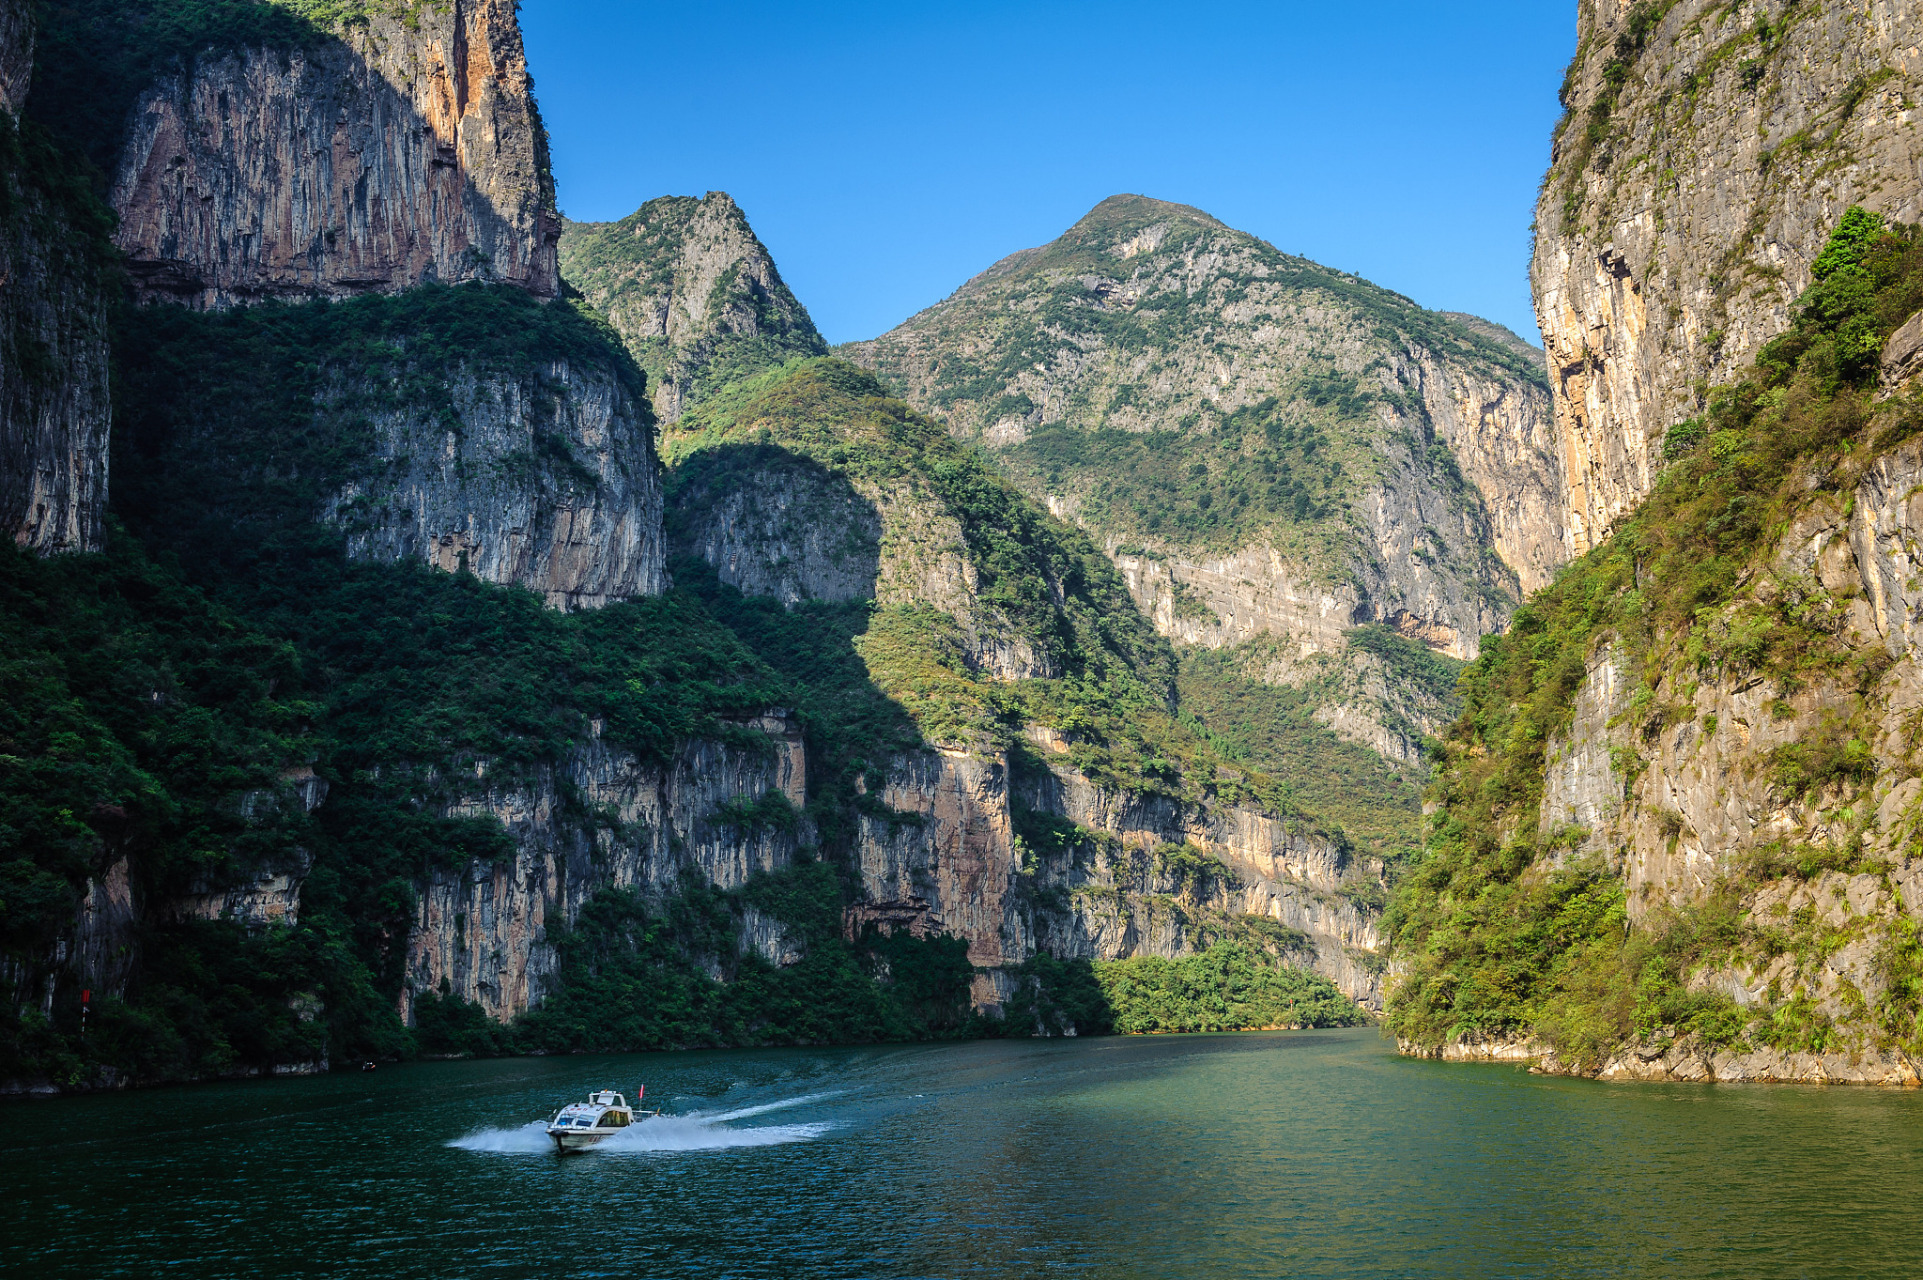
(1707, 151)
(1310, 483)
(692, 292)
(393, 697)
(1676, 829)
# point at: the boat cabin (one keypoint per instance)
(604, 1110)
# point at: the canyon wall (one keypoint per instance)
(1708, 151)
(945, 862)
(402, 149)
(54, 407)
(482, 931)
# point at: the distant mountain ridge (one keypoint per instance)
(1154, 374)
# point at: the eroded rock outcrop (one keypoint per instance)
(693, 293)
(403, 148)
(1708, 152)
(1755, 782)
(1145, 875)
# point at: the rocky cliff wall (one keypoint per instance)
(691, 290)
(483, 929)
(1708, 151)
(1731, 797)
(406, 149)
(54, 407)
(546, 480)
(946, 859)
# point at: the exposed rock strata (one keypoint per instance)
(692, 292)
(54, 406)
(406, 150)
(1670, 250)
(545, 480)
(785, 528)
(954, 866)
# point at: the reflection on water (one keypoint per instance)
(1285, 1154)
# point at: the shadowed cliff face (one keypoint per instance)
(692, 292)
(1707, 153)
(16, 53)
(54, 409)
(401, 152)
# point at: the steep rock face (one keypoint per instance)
(788, 529)
(776, 523)
(406, 148)
(1708, 151)
(484, 929)
(1681, 812)
(1276, 433)
(547, 480)
(54, 407)
(693, 293)
(947, 860)
(16, 53)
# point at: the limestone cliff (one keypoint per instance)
(474, 429)
(693, 293)
(809, 487)
(400, 148)
(1138, 876)
(1707, 151)
(54, 408)
(547, 480)
(1299, 451)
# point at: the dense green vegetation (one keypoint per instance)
(161, 699)
(1036, 578)
(1273, 727)
(1225, 988)
(1495, 938)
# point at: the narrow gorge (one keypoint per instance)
(456, 651)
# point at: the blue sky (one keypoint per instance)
(885, 153)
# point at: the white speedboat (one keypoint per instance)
(581, 1125)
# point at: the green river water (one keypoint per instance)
(1276, 1154)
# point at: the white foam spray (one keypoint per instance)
(697, 1131)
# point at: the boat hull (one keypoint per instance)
(572, 1141)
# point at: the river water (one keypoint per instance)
(1276, 1154)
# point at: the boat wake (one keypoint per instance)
(696, 1131)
